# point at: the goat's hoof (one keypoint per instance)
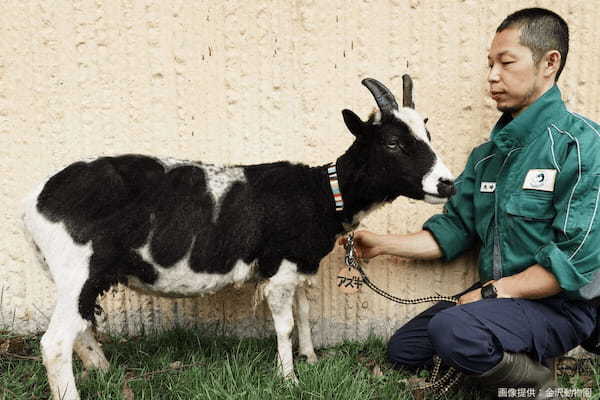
(103, 366)
(100, 364)
(310, 358)
(291, 378)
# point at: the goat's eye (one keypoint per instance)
(392, 144)
(395, 146)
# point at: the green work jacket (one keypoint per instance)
(530, 196)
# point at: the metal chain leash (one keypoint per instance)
(440, 386)
(446, 382)
(352, 262)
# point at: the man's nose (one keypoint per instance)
(493, 74)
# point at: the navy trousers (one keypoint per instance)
(473, 337)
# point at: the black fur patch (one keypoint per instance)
(109, 202)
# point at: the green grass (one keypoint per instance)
(184, 364)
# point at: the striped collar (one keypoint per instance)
(335, 187)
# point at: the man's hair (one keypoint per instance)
(541, 31)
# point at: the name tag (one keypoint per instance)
(540, 179)
(487, 187)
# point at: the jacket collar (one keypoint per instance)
(509, 133)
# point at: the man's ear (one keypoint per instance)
(551, 62)
(353, 123)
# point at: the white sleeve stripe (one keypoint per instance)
(578, 176)
(552, 150)
(482, 160)
(582, 118)
(589, 227)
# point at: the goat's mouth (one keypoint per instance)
(434, 198)
(439, 196)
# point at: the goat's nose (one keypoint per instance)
(446, 187)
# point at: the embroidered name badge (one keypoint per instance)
(540, 179)
(487, 187)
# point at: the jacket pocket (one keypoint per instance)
(531, 207)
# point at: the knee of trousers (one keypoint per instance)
(463, 342)
(405, 349)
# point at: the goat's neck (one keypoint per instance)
(358, 193)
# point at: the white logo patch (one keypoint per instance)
(488, 187)
(540, 179)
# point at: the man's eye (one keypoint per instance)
(507, 62)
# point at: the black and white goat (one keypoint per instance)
(182, 228)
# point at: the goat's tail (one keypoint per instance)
(259, 295)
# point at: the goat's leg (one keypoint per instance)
(279, 293)
(280, 302)
(90, 352)
(57, 348)
(306, 347)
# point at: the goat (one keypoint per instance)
(181, 228)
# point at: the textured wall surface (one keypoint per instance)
(246, 82)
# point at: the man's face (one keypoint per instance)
(515, 81)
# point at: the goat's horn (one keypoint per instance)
(407, 87)
(384, 98)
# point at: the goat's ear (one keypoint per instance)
(354, 123)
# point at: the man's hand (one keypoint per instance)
(366, 244)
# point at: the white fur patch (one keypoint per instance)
(66, 260)
(305, 344)
(180, 280)
(279, 293)
(439, 171)
(415, 122)
(219, 179)
(169, 163)
(430, 181)
(287, 274)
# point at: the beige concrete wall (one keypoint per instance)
(245, 82)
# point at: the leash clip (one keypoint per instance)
(349, 247)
